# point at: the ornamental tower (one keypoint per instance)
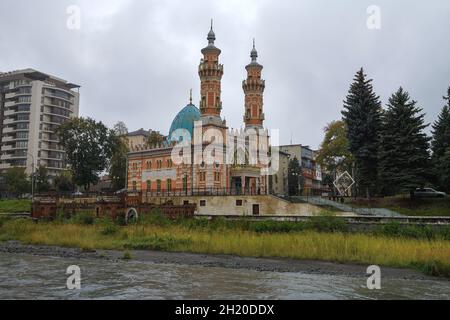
(254, 89)
(210, 72)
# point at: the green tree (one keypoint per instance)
(16, 182)
(118, 164)
(41, 179)
(404, 157)
(440, 146)
(89, 146)
(334, 154)
(362, 115)
(155, 138)
(64, 182)
(294, 177)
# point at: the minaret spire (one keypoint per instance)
(210, 72)
(253, 88)
(190, 97)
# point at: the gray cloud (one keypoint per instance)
(136, 60)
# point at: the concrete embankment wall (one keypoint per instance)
(241, 205)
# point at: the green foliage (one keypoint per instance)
(15, 182)
(396, 229)
(41, 179)
(15, 206)
(362, 115)
(327, 223)
(404, 158)
(108, 227)
(156, 217)
(334, 153)
(118, 164)
(294, 174)
(89, 146)
(154, 138)
(440, 146)
(127, 255)
(433, 268)
(155, 242)
(64, 182)
(83, 218)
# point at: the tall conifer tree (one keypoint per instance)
(441, 146)
(362, 114)
(404, 156)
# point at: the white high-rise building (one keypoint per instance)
(32, 105)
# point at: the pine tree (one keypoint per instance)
(441, 146)
(404, 157)
(362, 114)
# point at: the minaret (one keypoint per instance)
(254, 89)
(210, 72)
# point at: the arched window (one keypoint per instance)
(169, 185)
(158, 185)
(134, 185)
(149, 185)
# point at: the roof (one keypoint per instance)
(35, 75)
(140, 132)
(185, 120)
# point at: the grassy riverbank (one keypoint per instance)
(323, 239)
(15, 206)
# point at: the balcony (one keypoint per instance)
(4, 166)
(7, 121)
(8, 130)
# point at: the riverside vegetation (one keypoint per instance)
(324, 237)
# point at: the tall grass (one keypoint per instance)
(218, 237)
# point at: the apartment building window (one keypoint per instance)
(202, 176)
(216, 176)
(22, 144)
(24, 99)
(23, 107)
(22, 135)
(23, 116)
(22, 126)
(149, 165)
(149, 185)
(169, 185)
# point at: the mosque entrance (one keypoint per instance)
(236, 185)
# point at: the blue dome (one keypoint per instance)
(185, 120)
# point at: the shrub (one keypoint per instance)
(84, 217)
(127, 255)
(155, 242)
(326, 223)
(156, 217)
(107, 226)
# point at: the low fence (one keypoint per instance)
(112, 205)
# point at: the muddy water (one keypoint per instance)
(24, 276)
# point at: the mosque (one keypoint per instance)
(151, 170)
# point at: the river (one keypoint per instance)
(24, 276)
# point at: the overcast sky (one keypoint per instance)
(137, 59)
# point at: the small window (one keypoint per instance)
(202, 203)
(185, 202)
(239, 203)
